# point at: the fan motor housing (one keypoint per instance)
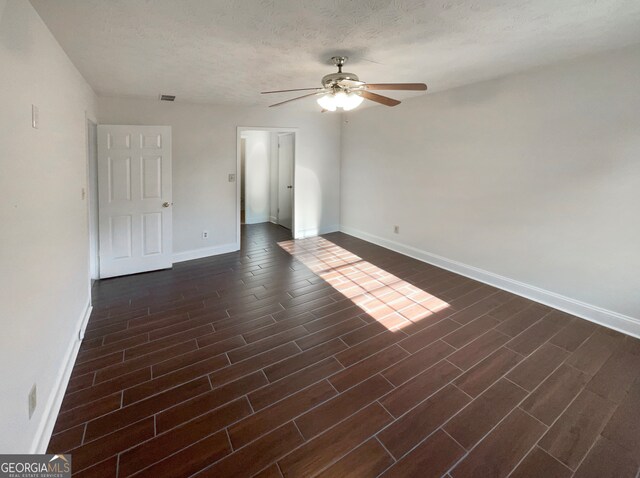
(334, 79)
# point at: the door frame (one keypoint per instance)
(91, 192)
(296, 138)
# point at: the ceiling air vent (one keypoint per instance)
(167, 97)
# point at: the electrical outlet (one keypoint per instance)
(205, 234)
(396, 229)
(33, 400)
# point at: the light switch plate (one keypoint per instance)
(35, 117)
(232, 178)
(33, 400)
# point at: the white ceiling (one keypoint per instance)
(227, 51)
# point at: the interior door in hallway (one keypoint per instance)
(285, 179)
(134, 189)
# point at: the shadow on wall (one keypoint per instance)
(391, 301)
(308, 202)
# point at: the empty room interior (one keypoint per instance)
(295, 238)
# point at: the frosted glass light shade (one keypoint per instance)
(332, 101)
(353, 101)
(340, 99)
(327, 102)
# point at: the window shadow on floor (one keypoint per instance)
(392, 302)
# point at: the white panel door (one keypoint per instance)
(285, 179)
(134, 196)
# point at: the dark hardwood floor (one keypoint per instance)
(335, 357)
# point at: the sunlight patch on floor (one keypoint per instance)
(390, 300)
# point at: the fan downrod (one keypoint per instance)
(339, 61)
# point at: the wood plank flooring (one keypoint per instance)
(334, 357)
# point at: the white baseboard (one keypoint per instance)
(256, 220)
(205, 252)
(52, 407)
(273, 219)
(301, 234)
(607, 318)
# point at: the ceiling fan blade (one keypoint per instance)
(293, 99)
(396, 86)
(286, 91)
(383, 100)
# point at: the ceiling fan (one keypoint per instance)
(346, 91)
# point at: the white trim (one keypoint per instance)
(255, 220)
(85, 320)
(316, 231)
(205, 252)
(273, 219)
(50, 413)
(94, 260)
(607, 318)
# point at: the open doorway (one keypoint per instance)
(266, 169)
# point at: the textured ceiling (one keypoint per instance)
(227, 51)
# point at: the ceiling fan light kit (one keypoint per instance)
(340, 99)
(345, 90)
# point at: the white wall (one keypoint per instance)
(257, 176)
(44, 245)
(204, 153)
(534, 177)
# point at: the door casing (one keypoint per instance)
(91, 196)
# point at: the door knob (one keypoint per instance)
(289, 187)
(166, 204)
